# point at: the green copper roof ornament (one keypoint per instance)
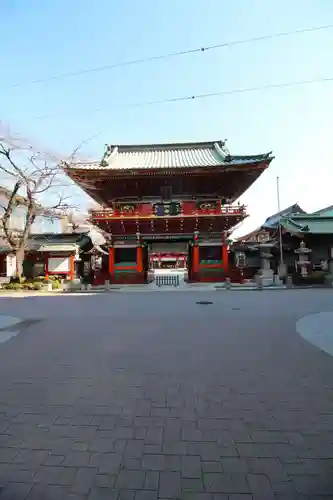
(223, 151)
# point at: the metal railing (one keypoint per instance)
(167, 280)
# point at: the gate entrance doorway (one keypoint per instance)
(168, 263)
(171, 260)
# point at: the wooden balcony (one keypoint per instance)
(186, 209)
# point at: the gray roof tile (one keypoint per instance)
(200, 154)
(308, 223)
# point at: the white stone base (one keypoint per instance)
(86, 287)
(267, 277)
(277, 280)
(282, 270)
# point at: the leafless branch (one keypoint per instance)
(7, 153)
(34, 176)
(8, 212)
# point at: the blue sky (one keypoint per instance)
(42, 39)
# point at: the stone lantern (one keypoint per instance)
(267, 274)
(241, 263)
(303, 259)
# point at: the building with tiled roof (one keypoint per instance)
(268, 229)
(180, 194)
(315, 223)
(133, 162)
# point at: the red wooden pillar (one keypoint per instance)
(139, 262)
(111, 262)
(195, 257)
(46, 261)
(225, 258)
(72, 267)
(195, 262)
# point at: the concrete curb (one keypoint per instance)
(251, 289)
(59, 293)
(7, 322)
(13, 329)
(317, 329)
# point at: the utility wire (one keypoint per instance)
(170, 55)
(206, 95)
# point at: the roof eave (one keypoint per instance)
(260, 165)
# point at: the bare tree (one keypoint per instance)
(33, 178)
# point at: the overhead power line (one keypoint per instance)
(170, 55)
(206, 95)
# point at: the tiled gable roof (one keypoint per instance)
(308, 223)
(180, 155)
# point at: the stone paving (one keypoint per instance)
(147, 397)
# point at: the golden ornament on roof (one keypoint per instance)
(128, 208)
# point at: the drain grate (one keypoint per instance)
(204, 302)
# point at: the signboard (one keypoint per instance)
(122, 239)
(263, 237)
(11, 265)
(86, 268)
(126, 208)
(210, 243)
(59, 265)
(163, 209)
(206, 204)
(125, 244)
(165, 237)
(174, 247)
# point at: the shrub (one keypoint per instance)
(314, 278)
(13, 286)
(51, 277)
(37, 285)
(55, 284)
(28, 286)
(14, 279)
(55, 277)
(317, 275)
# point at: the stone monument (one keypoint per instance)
(266, 273)
(303, 259)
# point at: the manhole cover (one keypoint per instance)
(204, 302)
(236, 309)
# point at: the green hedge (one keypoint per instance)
(36, 284)
(314, 278)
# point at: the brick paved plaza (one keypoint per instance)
(152, 396)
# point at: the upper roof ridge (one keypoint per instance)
(164, 146)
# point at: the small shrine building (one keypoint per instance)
(303, 234)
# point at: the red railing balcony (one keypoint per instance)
(107, 213)
(234, 209)
(187, 209)
(191, 209)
